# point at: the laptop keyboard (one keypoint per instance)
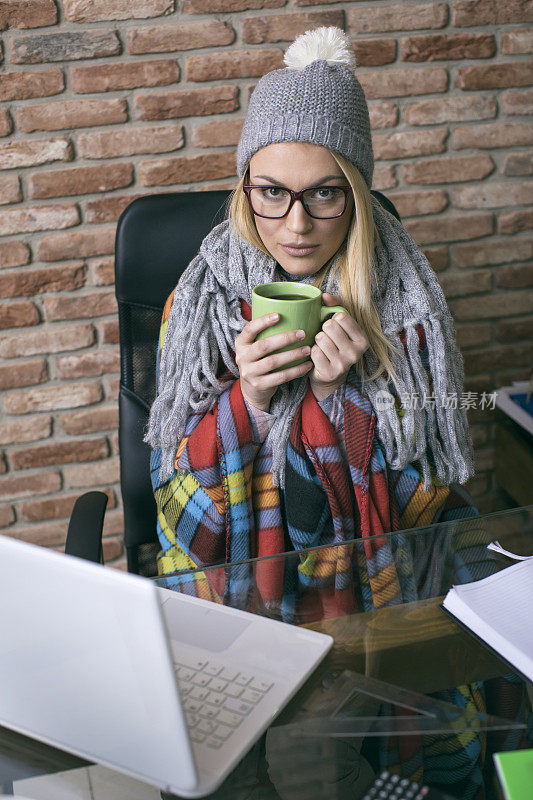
(216, 699)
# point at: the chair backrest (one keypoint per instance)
(157, 237)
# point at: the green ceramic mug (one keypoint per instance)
(299, 305)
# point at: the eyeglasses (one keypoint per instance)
(275, 202)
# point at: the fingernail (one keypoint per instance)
(306, 350)
(274, 316)
(300, 334)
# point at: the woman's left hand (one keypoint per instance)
(338, 346)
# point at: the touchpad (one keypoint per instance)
(194, 625)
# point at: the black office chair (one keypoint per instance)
(157, 236)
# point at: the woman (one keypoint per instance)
(249, 461)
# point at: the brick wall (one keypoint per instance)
(105, 100)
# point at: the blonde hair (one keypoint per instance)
(356, 262)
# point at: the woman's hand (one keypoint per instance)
(338, 346)
(255, 360)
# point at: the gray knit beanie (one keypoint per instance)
(321, 102)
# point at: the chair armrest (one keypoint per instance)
(84, 537)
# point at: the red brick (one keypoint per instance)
(23, 373)
(97, 304)
(437, 257)
(60, 246)
(113, 390)
(21, 283)
(18, 315)
(493, 358)
(27, 14)
(383, 115)
(54, 507)
(126, 75)
(223, 6)
(232, 64)
(218, 133)
(515, 222)
(449, 169)
(407, 144)
(111, 549)
(187, 102)
(53, 339)
(514, 330)
(517, 42)
(517, 102)
(410, 204)
(108, 209)
(450, 109)
(459, 284)
(25, 84)
(6, 123)
(28, 429)
(103, 270)
(286, 27)
(10, 191)
(13, 486)
(80, 180)
(374, 52)
(32, 152)
(54, 116)
(101, 418)
(53, 397)
(403, 82)
(108, 331)
(515, 276)
(482, 254)
(500, 304)
(449, 228)
(64, 46)
(439, 47)
(7, 516)
(493, 195)
(493, 134)
(96, 10)
(466, 13)
(384, 177)
(187, 169)
(38, 218)
(60, 453)
(44, 534)
(13, 254)
(113, 524)
(518, 164)
(184, 36)
(398, 17)
(100, 474)
(107, 144)
(473, 335)
(91, 364)
(495, 76)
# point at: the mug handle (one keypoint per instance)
(325, 311)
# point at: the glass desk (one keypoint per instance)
(385, 697)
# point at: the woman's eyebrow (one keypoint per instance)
(318, 183)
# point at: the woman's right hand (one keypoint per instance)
(256, 360)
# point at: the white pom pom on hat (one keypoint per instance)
(322, 44)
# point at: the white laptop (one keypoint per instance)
(167, 688)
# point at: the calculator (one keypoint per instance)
(389, 786)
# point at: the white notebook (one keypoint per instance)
(499, 609)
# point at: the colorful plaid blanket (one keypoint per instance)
(220, 507)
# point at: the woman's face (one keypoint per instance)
(298, 165)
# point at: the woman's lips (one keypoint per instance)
(299, 251)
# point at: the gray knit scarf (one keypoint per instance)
(205, 319)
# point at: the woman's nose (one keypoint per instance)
(298, 219)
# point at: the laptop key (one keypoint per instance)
(185, 660)
(243, 680)
(184, 673)
(206, 726)
(192, 705)
(198, 736)
(228, 718)
(233, 691)
(215, 744)
(192, 720)
(215, 699)
(222, 732)
(201, 679)
(210, 712)
(213, 669)
(236, 706)
(198, 693)
(260, 686)
(251, 696)
(229, 674)
(216, 685)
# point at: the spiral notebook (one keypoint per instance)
(498, 610)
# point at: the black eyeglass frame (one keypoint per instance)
(247, 188)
